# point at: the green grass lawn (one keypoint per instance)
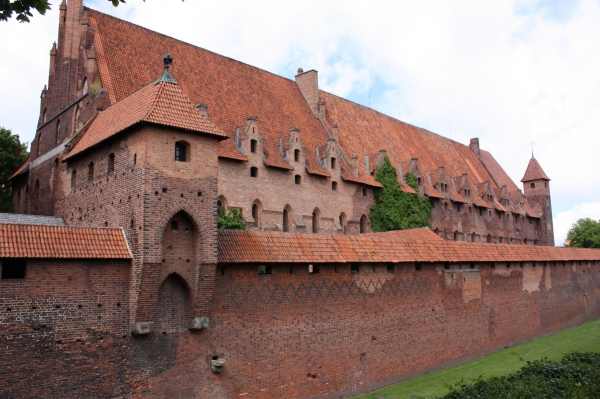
(583, 338)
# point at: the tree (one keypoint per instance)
(23, 8)
(585, 233)
(395, 209)
(12, 155)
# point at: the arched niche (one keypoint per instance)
(173, 305)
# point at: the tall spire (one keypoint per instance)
(534, 171)
(166, 76)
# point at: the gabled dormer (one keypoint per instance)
(250, 141)
(293, 150)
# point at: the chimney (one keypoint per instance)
(203, 109)
(474, 145)
(308, 83)
(335, 132)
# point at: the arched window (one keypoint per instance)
(57, 132)
(315, 220)
(182, 151)
(111, 163)
(489, 238)
(91, 171)
(456, 235)
(256, 212)
(26, 204)
(73, 178)
(525, 241)
(297, 155)
(298, 179)
(254, 171)
(535, 242)
(343, 222)
(364, 191)
(252, 145)
(419, 182)
(85, 86)
(334, 185)
(473, 237)
(221, 205)
(532, 185)
(363, 224)
(286, 218)
(332, 163)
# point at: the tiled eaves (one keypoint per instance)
(271, 247)
(23, 168)
(62, 242)
(534, 172)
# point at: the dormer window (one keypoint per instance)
(297, 155)
(332, 163)
(419, 181)
(252, 145)
(181, 151)
(254, 171)
(364, 191)
(298, 179)
(334, 185)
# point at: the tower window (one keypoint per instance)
(297, 155)
(181, 149)
(532, 185)
(111, 163)
(334, 185)
(252, 145)
(297, 179)
(254, 171)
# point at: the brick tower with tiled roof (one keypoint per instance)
(536, 187)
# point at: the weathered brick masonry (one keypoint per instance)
(125, 288)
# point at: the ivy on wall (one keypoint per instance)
(232, 221)
(395, 209)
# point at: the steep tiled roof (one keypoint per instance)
(31, 241)
(23, 168)
(534, 171)
(245, 246)
(530, 212)
(19, 218)
(498, 174)
(234, 90)
(161, 103)
(432, 192)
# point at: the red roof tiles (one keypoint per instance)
(161, 103)
(498, 174)
(270, 247)
(534, 171)
(22, 167)
(34, 241)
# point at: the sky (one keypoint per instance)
(517, 74)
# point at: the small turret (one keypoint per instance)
(536, 188)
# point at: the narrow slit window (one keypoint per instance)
(334, 185)
(254, 171)
(297, 155)
(91, 171)
(111, 163)
(333, 163)
(73, 178)
(298, 179)
(252, 145)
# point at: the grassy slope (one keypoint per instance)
(583, 338)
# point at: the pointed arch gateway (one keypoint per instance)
(173, 305)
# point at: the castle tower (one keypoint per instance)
(536, 187)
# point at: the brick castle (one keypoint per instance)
(116, 281)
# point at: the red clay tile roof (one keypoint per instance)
(234, 90)
(499, 206)
(534, 171)
(456, 197)
(421, 233)
(269, 247)
(531, 212)
(34, 241)
(498, 174)
(227, 149)
(432, 192)
(161, 103)
(22, 167)
(362, 178)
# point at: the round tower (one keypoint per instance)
(536, 187)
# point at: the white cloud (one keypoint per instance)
(508, 72)
(564, 220)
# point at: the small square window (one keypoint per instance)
(13, 269)
(334, 185)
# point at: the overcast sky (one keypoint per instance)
(508, 72)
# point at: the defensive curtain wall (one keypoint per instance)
(330, 316)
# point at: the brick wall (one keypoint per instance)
(288, 334)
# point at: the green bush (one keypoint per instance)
(395, 209)
(575, 376)
(233, 220)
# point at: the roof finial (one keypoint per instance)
(167, 60)
(166, 76)
(532, 156)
